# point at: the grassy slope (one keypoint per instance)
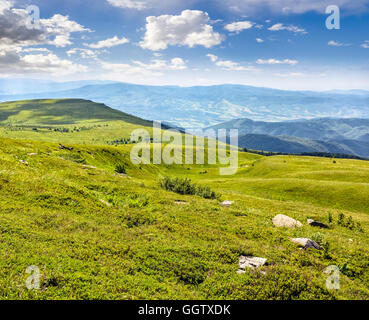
(87, 122)
(143, 246)
(97, 235)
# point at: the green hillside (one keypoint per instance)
(98, 234)
(61, 112)
(67, 120)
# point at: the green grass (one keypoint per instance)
(98, 234)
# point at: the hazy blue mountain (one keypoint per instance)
(193, 107)
(286, 144)
(30, 86)
(324, 129)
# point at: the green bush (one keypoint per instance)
(120, 168)
(348, 223)
(186, 187)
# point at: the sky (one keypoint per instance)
(282, 44)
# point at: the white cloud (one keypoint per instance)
(365, 45)
(16, 37)
(129, 4)
(276, 61)
(239, 26)
(161, 65)
(14, 30)
(83, 53)
(249, 7)
(5, 5)
(333, 43)
(61, 27)
(123, 69)
(108, 43)
(190, 29)
(35, 50)
(291, 28)
(228, 64)
(12, 63)
(259, 40)
(212, 57)
(289, 75)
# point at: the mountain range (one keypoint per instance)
(194, 107)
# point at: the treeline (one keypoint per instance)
(306, 154)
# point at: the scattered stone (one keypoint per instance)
(180, 202)
(351, 240)
(227, 203)
(24, 162)
(239, 271)
(251, 262)
(306, 243)
(314, 223)
(32, 154)
(281, 220)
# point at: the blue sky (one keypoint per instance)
(281, 44)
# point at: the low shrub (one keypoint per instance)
(186, 187)
(120, 168)
(348, 223)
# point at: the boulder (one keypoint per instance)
(251, 262)
(281, 220)
(306, 243)
(227, 203)
(314, 223)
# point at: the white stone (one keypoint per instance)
(281, 220)
(251, 262)
(227, 203)
(306, 243)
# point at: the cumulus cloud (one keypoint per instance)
(14, 30)
(259, 40)
(191, 28)
(108, 43)
(239, 26)
(16, 37)
(276, 61)
(291, 28)
(13, 63)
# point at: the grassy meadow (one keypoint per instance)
(97, 234)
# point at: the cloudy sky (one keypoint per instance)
(272, 43)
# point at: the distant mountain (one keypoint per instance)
(325, 129)
(31, 86)
(195, 107)
(295, 145)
